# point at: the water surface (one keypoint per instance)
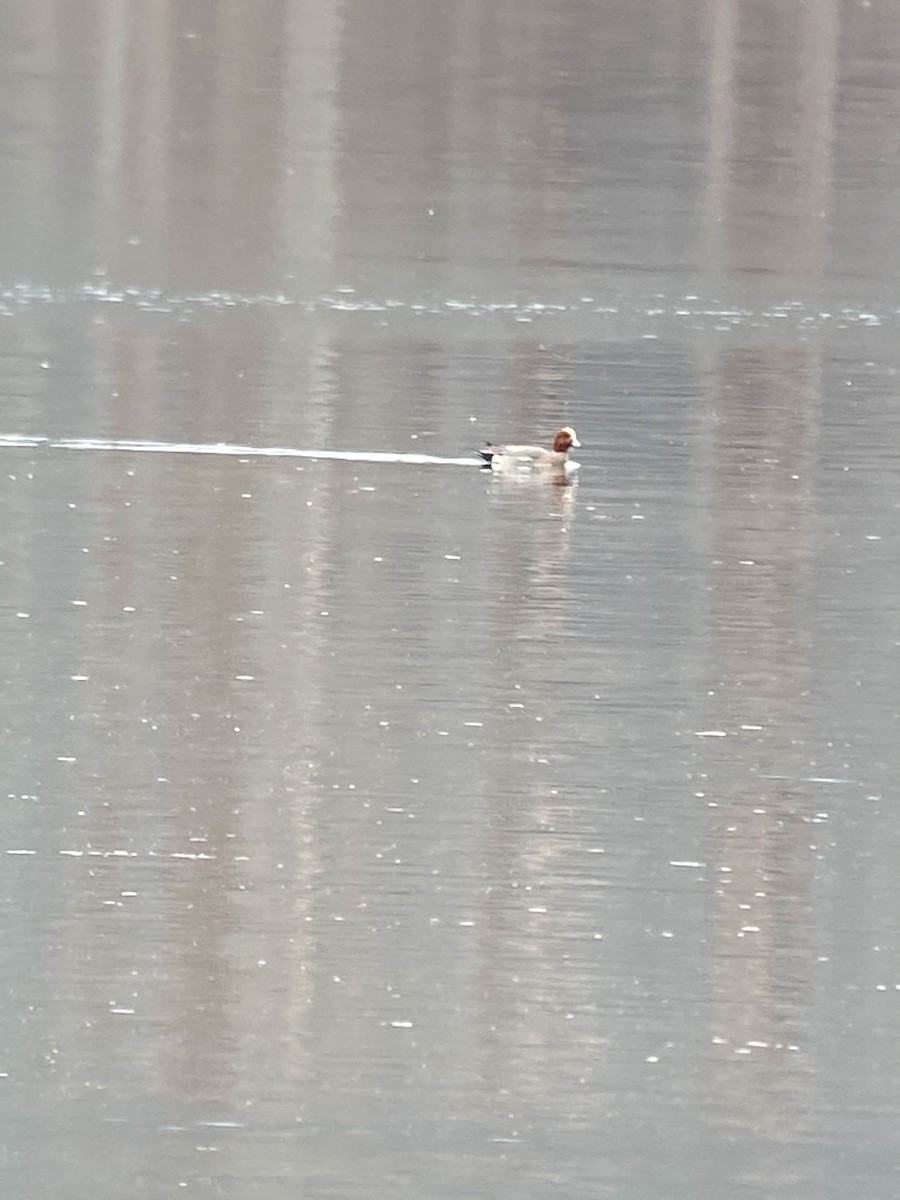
(375, 826)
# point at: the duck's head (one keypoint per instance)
(566, 439)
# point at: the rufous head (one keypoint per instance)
(566, 439)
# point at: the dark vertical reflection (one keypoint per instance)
(771, 109)
(768, 211)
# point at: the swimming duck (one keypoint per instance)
(527, 458)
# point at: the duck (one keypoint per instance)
(530, 458)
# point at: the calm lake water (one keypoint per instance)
(390, 829)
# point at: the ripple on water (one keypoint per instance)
(698, 313)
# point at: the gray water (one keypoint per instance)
(387, 828)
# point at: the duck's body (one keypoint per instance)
(534, 458)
